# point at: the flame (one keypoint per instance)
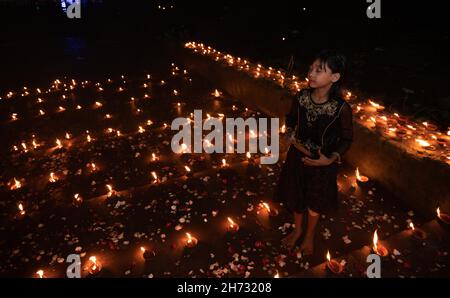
(187, 168)
(248, 154)
(141, 130)
(88, 138)
(34, 144)
(438, 212)
(17, 184)
(58, 143)
(359, 177)
(375, 241)
(375, 105)
(283, 128)
(266, 150)
(14, 116)
(411, 225)
(93, 166)
(110, 189)
(328, 256)
(22, 211)
(422, 143)
(448, 133)
(231, 222)
(41, 112)
(155, 177)
(67, 136)
(142, 249)
(94, 265)
(216, 93)
(40, 273)
(224, 162)
(153, 157)
(175, 92)
(189, 238)
(266, 206)
(98, 104)
(276, 275)
(52, 177)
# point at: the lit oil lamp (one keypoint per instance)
(141, 129)
(67, 136)
(425, 144)
(21, 209)
(283, 129)
(271, 211)
(98, 104)
(417, 233)
(77, 200)
(188, 170)
(232, 227)
(41, 112)
(111, 191)
(443, 217)
(58, 144)
(93, 167)
(377, 247)
(333, 265)
(147, 254)
(361, 180)
(35, 145)
(155, 177)
(249, 156)
(224, 162)
(191, 241)
(14, 116)
(154, 157)
(24, 146)
(52, 178)
(277, 275)
(16, 184)
(78, 107)
(216, 93)
(94, 266)
(40, 273)
(374, 107)
(88, 138)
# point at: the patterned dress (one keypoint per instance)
(326, 126)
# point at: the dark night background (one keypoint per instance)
(401, 58)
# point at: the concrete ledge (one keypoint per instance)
(421, 183)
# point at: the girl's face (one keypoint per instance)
(320, 75)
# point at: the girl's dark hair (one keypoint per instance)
(337, 63)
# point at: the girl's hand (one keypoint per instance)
(322, 161)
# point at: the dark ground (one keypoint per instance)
(37, 48)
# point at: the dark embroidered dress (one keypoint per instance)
(326, 126)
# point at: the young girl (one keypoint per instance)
(321, 121)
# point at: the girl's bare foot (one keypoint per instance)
(290, 240)
(307, 246)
